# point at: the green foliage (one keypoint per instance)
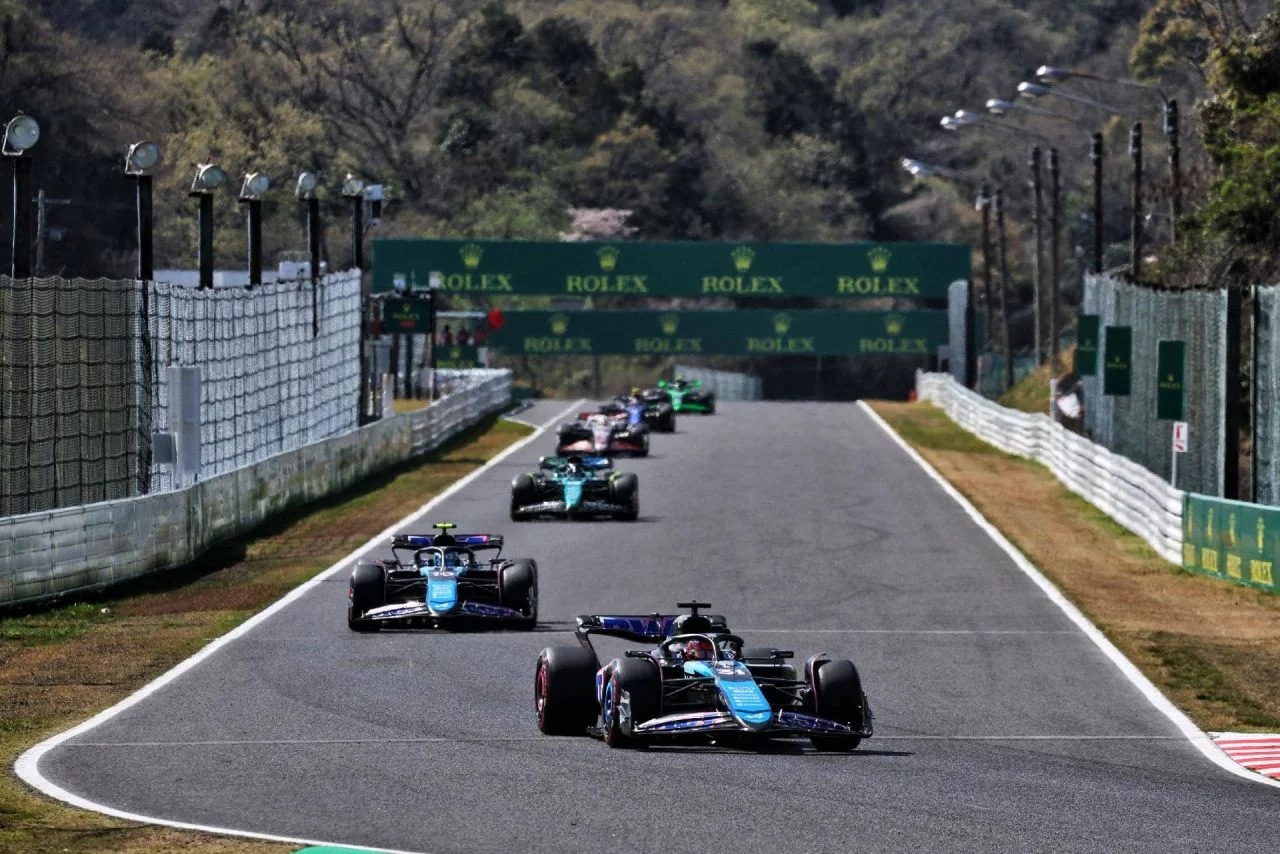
(726, 119)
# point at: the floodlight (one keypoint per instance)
(307, 183)
(209, 177)
(20, 133)
(141, 158)
(255, 185)
(352, 186)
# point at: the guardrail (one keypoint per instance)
(727, 385)
(1124, 490)
(43, 555)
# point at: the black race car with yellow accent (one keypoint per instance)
(438, 578)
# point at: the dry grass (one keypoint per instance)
(403, 405)
(61, 665)
(1212, 647)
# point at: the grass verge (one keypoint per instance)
(1211, 647)
(61, 665)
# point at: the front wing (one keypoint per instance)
(420, 610)
(589, 507)
(785, 722)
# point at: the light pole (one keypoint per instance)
(252, 190)
(1004, 288)
(1037, 90)
(1051, 74)
(20, 134)
(967, 118)
(209, 177)
(353, 191)
(305, 190)
(926, 170)
(141, 158)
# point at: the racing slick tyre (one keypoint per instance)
(564, 690)
(366, 589)
(643, 685)
(518, 589)
(838, 697)
(625, 491)
(523, 493)
(667, 419)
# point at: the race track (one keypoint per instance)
(999, 725)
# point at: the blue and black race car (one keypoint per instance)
(577, 488)
(436, 578)
(700, 681)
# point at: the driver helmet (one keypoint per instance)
(698, 649)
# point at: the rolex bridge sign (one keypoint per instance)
(746, 332)
(688, 269)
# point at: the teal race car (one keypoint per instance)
(575, 487)
(684, 396)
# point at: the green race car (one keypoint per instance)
(684, 396)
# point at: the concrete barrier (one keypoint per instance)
(48, 554)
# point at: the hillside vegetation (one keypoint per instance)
(762, 119)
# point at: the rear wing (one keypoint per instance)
(475, 542)
(590, 463)
(642, 628)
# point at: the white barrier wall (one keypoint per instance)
(1124, 490)
(56, 552)
(727, 385)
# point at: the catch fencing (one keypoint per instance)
(54, 553)
(1127, 424)
(73, 393)
(83, 370)
(1266, 395)
(271, 381)
(1128, 493)
(727, 385)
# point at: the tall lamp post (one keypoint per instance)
(967, 118)
(926, 170)
(252, 190)
(1170, 125)
(305, 190)
(20, 134)
(141, 158)
(209, 177)
(353, 191)
(999, 107)
(1037, 90)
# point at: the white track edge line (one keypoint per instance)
(1202, 741)
(28, 765)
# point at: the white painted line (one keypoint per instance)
(908, 631)
(285, 742)
(28, 765)
(882, 737)
(1202, 741)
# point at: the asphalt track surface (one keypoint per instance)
(999, 725)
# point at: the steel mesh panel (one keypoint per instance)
(72, 418)
(1127, 424)
(267, 385)
(1266, 376)
(957, 299)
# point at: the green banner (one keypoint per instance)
(705, 269)
(1087, 345)
(406, 315)
(1231, 540)
(1117, 369)
(1171, 367)
(458, 356)
(749, 332)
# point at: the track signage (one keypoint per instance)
(690, 269)
(748, 332)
